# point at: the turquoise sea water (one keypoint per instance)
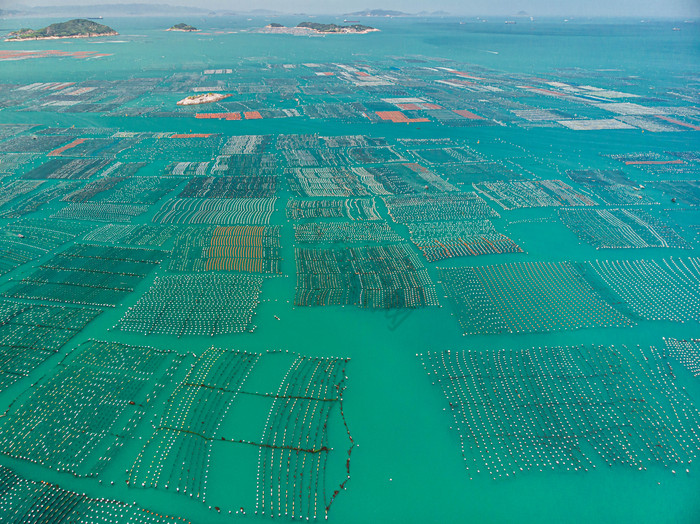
(406, 465)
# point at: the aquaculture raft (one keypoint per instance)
(195, 305)
(565, 409)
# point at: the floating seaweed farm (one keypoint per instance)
(24, 500)
(373, 277)
(254, 249)
(450, 206)
(200, 424)
(351, 208)
(216, 211)
(565, 409)
(195, 305)
(88, 274)
(441, 240)
(687, 352)
(539, 193)
(77, 419)
(345, 233)
(526, 297)
(666, 289)
(31, 333)
(620, 228)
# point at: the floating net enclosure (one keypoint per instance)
(620, 228)
(23, 501)
(196, 305)
(88, 274)
(31, 333)
(374, 277)
(526, 297)
(440, 240)
(77, 419)
(254, 249)
(351, 208)
(565, 409)
(667, 289)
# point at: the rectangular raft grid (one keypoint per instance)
(373, 277)
(561, 408)
(667, 289)
(325, 182)
(77, 420)
(611, 186)
(187, 305)
(687, 352)
(437, 207)
(29, 203)
(31, 333)
(177, 455)
(294, 450)
(536, 193)
(526, 297)
(345, 233)
(132, 235)
(66, 169)
(87, 274)
(351, 208)
(441, 240)
(23, 501)
(255, 249)
(620, 228)
(216, 211)
(26, 240)
(101, 212)
(230, 187)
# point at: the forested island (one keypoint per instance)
(316, 28)
(182, 27)
(77, 28)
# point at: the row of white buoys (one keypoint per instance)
(559, 408)
(437, 206)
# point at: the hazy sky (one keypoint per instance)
(633, 8)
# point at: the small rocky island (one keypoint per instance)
(77, 28)
(306, 28)
(207, 98)
(182, 27)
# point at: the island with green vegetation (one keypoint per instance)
(77, 28)
(306, 28)
(182, 27)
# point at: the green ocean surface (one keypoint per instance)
(406, 465)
